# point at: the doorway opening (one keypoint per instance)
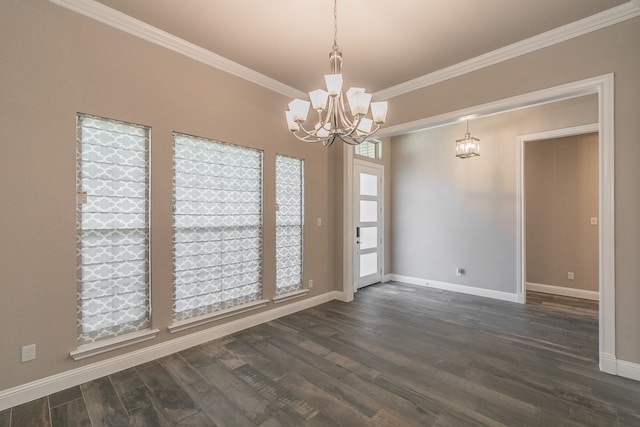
(560, 213)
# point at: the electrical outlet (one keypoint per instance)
(310, 283)
(28, 352)
(459, 271)
(570, 275)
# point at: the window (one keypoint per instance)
(217, 226)
(289, 223)
(112, 215)
(371, 148)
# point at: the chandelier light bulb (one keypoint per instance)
(319, 99)
(334, 84)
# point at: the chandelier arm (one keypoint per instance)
(360, 139)
(331, 112)
(308, 136)
(344, 126)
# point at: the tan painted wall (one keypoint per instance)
(450, 212)
(561, 191)
(614, 49)
(54, 63)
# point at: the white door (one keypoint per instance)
(368, 222)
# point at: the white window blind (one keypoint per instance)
(217, 226)
(371, 148)
(289, 223)
(112, 215)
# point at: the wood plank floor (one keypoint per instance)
(399, 355)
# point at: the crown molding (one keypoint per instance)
(135, 27)
(543, 96)
(116, 19)
(586, 25)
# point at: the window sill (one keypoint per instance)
(206, 318)
(104, 346)
(290, 296)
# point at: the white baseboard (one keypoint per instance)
(387, 278)
(628, 369)
(608, 364)
(54, 383)
(471, 290)
(341, 296)
(611, 365)
(567, 292)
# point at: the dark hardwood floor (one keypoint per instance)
(399, 355)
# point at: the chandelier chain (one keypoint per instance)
(335, 26)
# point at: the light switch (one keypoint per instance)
(594, 220)
(319, 222)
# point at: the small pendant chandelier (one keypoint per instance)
(352, 127)
(469, 146)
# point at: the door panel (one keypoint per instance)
(368, 222)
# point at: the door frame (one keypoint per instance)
(378, 166)
(521, 196)
(603, 86)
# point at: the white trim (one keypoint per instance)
(343, 296)
(348, 285)
(604, 87)
(561, 290)
(606, 210)
(54, 383)
(521, 245)
(289, 296)
(454, 287)
(387, 278)
(608, 364)
(104, 346)
(212, 317)
(544, 96)
(566, 32)
(137, 28)
(628, 369)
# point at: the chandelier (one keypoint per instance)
(334, 121)
(469, 146)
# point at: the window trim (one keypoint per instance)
(87, 350)
(295, 293)
(99, 346)
(181, 324)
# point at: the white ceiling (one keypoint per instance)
(384, 43)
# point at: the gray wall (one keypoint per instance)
(561, 191)
(449, 213)
(615, 49)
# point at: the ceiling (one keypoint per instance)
(384, 43)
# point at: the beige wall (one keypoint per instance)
(449, 213)
(561, 191)
(615, 49)
(55, 63)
